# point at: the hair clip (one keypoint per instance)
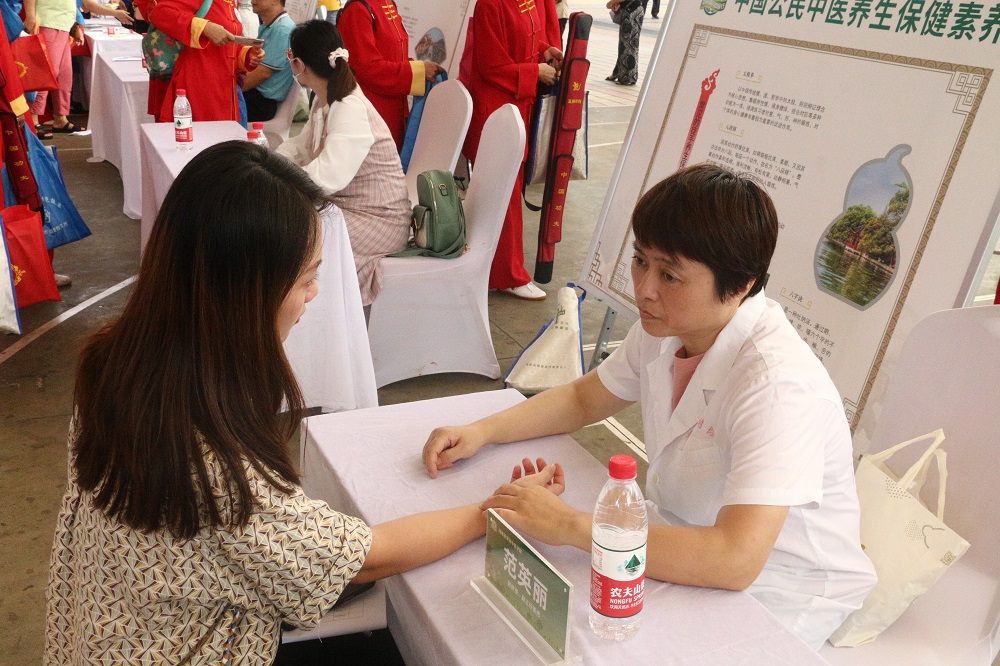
(337, 54)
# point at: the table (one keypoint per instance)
(99, 41)
(367, 463)
(118, 102)
(328, 350)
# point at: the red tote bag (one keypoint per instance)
(29, 260)
(31, 57)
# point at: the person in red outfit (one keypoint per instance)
(379, 46)
(511, 54)
(209, 63)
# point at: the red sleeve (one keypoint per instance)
(13, 93)
(177, 19)
(553, 35)
(374, 72)
(492, 55)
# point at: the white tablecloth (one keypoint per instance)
(100, 42)
(367, 463)
(328, 349)
(118, 101)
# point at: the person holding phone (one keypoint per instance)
(208, 67)
(184, 536)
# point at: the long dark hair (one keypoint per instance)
(312, 42)
(195, 360)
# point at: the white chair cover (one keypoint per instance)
(276, 129)
(445, 121)
(431, 315)
(947, 377)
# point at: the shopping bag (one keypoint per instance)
(10, 322)
(413, 122)
(30, 267)
(31, 56)
(542, 119)
(62, 221)
(555, 356)
(910, 546)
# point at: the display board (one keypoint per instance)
(437, 29)
(873, 126)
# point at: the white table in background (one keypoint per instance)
(100, 42)
(367, 463)
(118, 102)
(328, 349)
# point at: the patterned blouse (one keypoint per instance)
(121, 596)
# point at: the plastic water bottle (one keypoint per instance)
(261, 138)
(253, 137)
(183, 129)
(618, 555)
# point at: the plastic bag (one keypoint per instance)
(555, 356)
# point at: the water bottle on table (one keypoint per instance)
(261, 138)
(183, 126)
(618, 555)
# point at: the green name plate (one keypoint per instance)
(530, 587)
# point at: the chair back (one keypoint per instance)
(276, 129)
(948, 377)
(445, 120)
(501, 153)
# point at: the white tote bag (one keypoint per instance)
(555, 356)
(910, 546)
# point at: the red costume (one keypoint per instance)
(509, 42)
(379, 49)
(206, 71)
(15, 150)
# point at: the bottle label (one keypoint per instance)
(617, 580)
(183, 131)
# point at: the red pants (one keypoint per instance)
(508, 263)
(58, 42)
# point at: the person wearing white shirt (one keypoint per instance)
(751, 477)
(347, 149)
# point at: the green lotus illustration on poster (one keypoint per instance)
(857, 254)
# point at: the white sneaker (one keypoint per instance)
(528, 292)
(63, 280)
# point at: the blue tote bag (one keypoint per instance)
(61, 220)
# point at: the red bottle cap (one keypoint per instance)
(252, 134)
(622, 467)
(181, 91)
(258, 125)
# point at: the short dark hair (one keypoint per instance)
(711, 215)
(195, 361)
(312, 43)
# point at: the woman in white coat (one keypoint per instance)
(348, 150)
(750, 469)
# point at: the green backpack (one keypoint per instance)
(161, 50)
(438, 219)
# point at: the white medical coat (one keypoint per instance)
(759, 423)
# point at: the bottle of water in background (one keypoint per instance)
(183, 129)
(261, 138)
(253, 137)
(618, 556)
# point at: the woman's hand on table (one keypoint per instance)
(122, 16)
(449, 444)
(531, 506)
(217, 34)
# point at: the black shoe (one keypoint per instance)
(654, 16)
(611, 78)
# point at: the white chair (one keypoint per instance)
(276, 129)
(948, 377)
(445, 121)
(431, 315)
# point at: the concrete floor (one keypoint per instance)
(36, 373)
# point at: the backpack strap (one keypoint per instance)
(367, 6)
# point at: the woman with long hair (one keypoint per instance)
(348, 150)
(184, 536)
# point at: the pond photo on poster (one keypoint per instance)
(856, 256)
